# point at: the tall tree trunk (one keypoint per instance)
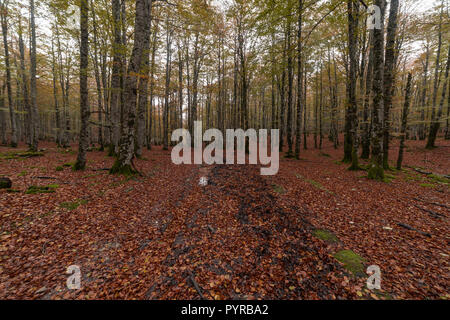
(290, 73)
(389, 77)
(376, 170)
(351, 141)
(447, 128)
(305, 110)
(180, 84)
(404, 122)
(424, 94)
(4, 140)
(34, 110)
(24, 80)
(55, 97)
(141, 32)
(97, 79)
(366, 111)
(115, 78)
(282, 91)
(152, 88)
(167, 89)
(80, 164)
(430, 141)
(12, 115)
(143, 92)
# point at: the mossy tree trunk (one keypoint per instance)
(389, 66)
(123, 163)
(80, 164)
(12, 115)
(404, 121)
(376, 170)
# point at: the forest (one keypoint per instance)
(92, 206)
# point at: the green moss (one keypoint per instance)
(125, 170)
(59, 168)
(68, 151)
(78, 166)
(20, 154)
(22, 174)
(278, 189)
(439, 179)
(12, 191)
(352, 262)
(323, 154)
(315, 184)
(72, 205)
(376, 172)
(427, 185)
(42, 189)
(325, 235)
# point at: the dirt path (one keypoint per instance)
(231, 239)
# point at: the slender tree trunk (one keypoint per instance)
(115, 79)
(404, 122)
(424, 94)
(12, 115)
(167, 90)
(436, 73)
(3, 115)
(152, 88)
(447, 128)
(34, 109)
(290, 73)
(55, 97)
(351, 140)
(305, 110)
(80, 164)
(435, 124)
(282, 87)
(143, 92)
(24, 80)
(366, 111)
(97, 79)
(180, 84)
(389, 78)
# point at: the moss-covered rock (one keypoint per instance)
(5, 183)
(352, 262)
(72, 205)
(42, 189)
(325, 235)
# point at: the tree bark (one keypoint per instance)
(376, 170)
(389, 77)
(12, 115)
(34, 110)
(80, 164)
(141, 32)
(404, 122)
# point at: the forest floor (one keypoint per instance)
(309, 232)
